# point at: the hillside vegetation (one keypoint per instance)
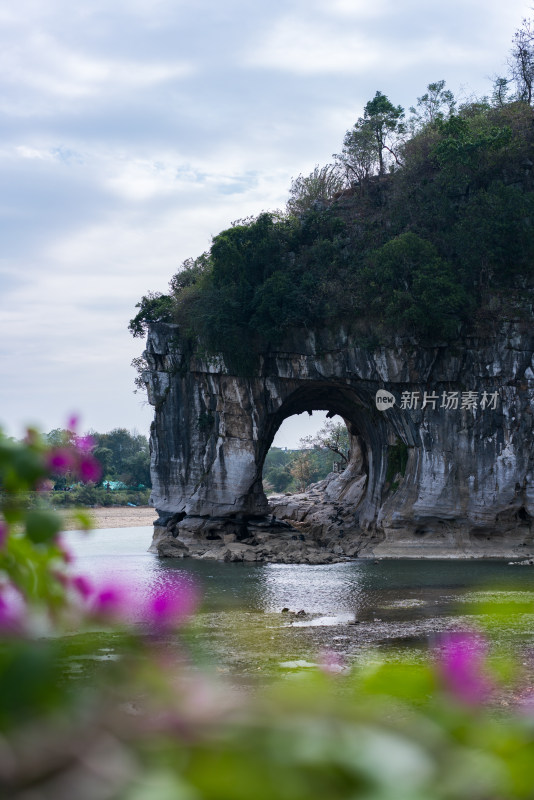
(422, 226)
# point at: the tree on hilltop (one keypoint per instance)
(434, 105)
(385, 120)
(373, 135)
(314, 191)
(522, 61)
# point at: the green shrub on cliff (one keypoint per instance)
(406, 281)
(153, 307)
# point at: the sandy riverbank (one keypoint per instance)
(114, 517)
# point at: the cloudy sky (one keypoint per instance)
(135, 130)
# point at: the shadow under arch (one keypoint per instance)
(371, 432)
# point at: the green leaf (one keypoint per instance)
(84, 519)
(42, 526)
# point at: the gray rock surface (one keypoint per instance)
(466, 490)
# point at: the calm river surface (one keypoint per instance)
(348, 607)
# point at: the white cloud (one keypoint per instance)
(311, 47)
(40, 62)
(318, 47)
(143, 179)
(42, 154)
(358, 9)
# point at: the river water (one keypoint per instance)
(347, 608)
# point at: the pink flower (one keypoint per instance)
(12, 609)
(85, 444)
(112, 601)
(89, 469)
(461, 664)
(108, 601)
(72, 424)
(172, 605)
(60, 460)
(83, 586)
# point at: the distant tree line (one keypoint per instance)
(123, 456)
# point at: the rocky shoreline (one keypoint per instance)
(265, 540)
(305, 528)
(316, 526)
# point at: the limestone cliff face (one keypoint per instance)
(467, 486)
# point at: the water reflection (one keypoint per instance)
(365, 591)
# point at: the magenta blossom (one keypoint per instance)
(72, 424)
(172, 605)
(461, 663)
(76, 460)
(89, 469)
(111, 601)
(12, 610)
(108, 601)
(83, 586)
(61, 460)
(84, 443)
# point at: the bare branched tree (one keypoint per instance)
(521, 61)
(435, 104)
(301, 469)
(314, 190)
(334, 436)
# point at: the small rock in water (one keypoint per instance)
(301, 613)
(285, 610)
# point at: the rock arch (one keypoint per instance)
(459, 491)
(370, 432)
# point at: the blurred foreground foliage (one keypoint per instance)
(94, 708)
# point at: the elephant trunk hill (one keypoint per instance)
(402, 303)
(444, 469)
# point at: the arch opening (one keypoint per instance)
(355, 485)
(306, 450)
